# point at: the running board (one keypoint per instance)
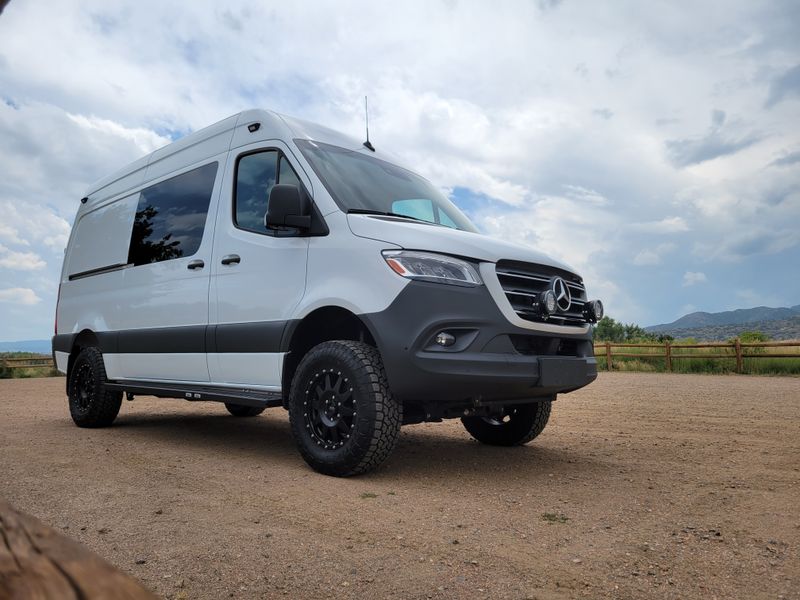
(241, 396)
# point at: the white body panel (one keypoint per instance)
(421, 236)
(61, 361)
(156, 366)
(349, 272)
(262, 369)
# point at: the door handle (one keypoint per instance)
(196, 264)
(231, 259)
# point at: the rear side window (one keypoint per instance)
(171, 216)
(255, 175)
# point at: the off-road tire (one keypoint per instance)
(521, 424)
(373, 426)
(237, 410)
(90, 403)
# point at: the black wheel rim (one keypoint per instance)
(501, 419)
(329, 408)
(83, 387)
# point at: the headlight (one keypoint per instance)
(426, 266)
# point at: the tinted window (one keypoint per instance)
(170, 217)
(287, 174)
(359, 182)
(255, 176)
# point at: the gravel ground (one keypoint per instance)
(643, 485)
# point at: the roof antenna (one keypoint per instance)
(368, 145)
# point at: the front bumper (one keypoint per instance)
(492, 360)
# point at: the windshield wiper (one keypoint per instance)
(369, 211)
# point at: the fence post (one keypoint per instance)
(608, 356)
(738, 355)
(668, 348)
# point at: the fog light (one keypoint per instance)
(547, 303)
(593, 311)
(445, 339)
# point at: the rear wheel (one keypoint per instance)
(517, 425)
(343, 417)
(90, 403)
(237, 410)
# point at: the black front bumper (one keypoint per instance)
(492, 360)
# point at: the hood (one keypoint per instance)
(413, 235)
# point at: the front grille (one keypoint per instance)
(524, 282)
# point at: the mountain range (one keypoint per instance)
(778, 323)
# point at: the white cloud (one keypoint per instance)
(20, 261)
(144, 139)
(10, 235)
(693, 278)
(665, 225)
(651, 257)
(23, 296)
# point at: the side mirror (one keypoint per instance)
(288, 207)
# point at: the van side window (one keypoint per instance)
(171, 216)
(255, 175)
(287, 174)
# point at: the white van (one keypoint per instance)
(267, 261)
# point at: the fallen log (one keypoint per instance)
(38, 563)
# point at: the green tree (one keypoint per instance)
(609, 330)
(749, 337)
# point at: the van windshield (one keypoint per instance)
(360, 183)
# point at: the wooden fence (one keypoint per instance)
(739, 351)
(33, 362)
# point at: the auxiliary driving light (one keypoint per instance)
(445, 339)
(593, 311)
(547, 303)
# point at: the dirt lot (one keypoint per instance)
(662, 486)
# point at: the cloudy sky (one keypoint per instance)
(653, 146)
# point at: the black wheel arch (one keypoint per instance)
(321, 325)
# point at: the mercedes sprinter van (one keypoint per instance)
(266, 261)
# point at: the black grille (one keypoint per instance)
(524, 282)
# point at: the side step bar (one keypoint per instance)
(241, 396)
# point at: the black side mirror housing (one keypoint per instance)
(288, 207)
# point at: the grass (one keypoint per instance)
(554, 518)
(366, 495)
(682, 361)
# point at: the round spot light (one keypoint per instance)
(445, 339)
(547, 303)
(593, 311)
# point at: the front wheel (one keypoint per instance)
(343, 417)
(517, 425)
(90, 403)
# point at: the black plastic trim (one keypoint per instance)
(99, 271)
(267, 336)
(486, 367)
(248, 337)
(241, 396)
